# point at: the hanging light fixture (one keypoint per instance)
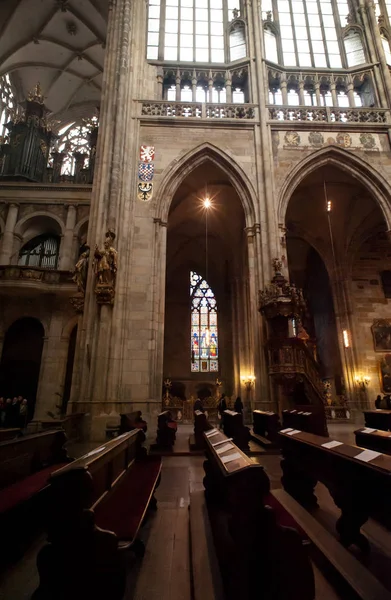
(207, 205)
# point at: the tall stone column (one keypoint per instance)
(66, 258)
(8, 236)
(101, 335)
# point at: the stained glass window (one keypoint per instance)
(7, 104)
(204, 334)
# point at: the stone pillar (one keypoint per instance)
(301, 93)
(333, 93)
(284, 92)
(228, 87)
(66, 262)
(350, 93)
(194, 87)
(178, 87)
(8, 235)
(385, 93)
(317, 93)
(210, 86)
(160, 79)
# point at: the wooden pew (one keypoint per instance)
(98, 504)
(132, 421)
(305, 418)
(266, 425)
(374, 439)
(9, 434)
(201, 424)
(25, 466)
(359, 489)
(257, 557)
(234, 428)
(166, 430)
(378, 419)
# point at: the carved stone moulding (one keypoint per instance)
(77, 303)
(104, 294)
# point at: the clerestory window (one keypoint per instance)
(7, 104)
(194, 31)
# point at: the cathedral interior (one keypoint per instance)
(195, 207)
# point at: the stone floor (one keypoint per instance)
(164, 573)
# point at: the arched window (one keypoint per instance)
(386, 48)
(204, 334)
(354, 48)
(237, 41)
(41, 251)
(189, 30)
(7, 104)
(310, 31)
(270, 45)
(75, 138)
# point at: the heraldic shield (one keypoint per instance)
(145, 191)
(146, 171)
(147, 153)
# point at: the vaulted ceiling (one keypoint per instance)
(59, 43)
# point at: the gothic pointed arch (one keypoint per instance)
(180, 168)
(346, 161)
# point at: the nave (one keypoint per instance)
(165, 572)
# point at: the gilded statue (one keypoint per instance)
(106, 261)
(81, 270)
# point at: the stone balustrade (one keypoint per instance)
(36, 275)
(329, 114)
(197, 110)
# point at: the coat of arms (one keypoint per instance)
(144, 191)
(145, 171)
(344, 139)
(147, 153)
(316, 139)
(292, 138)
(367, 140)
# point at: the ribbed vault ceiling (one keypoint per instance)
(59, 43)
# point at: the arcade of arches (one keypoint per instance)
(287, 134)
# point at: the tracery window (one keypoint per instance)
(310, 34)
(204, 334)
(193, 31)
(41, 251)
(7, 103)
(75, 138)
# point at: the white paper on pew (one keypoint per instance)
(222, 442)
(286, 430)
(368, 430)
(292, 411)
(300, 412)
(210, 432)
(234, 456)
(293, 432)
(224, 448)
(95, 451)
(332, 444)
(367, 455)
(306, 413)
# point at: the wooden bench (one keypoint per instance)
(234, 428)
(266, 425)
(132, 421)
(359, 489)
(378, 419)
(98, 503)
(374, 439)
(257, 556)
(25, 466)
(201, 424)
(305, 418)
(9, 434)
(166, 430)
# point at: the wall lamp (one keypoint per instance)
(248, 381)
(362, 381)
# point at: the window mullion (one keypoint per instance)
(337, 22)
(307, 23)
(294, 33)
(162, 28)
(326, 52)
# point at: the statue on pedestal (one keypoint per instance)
(81, 270)
(106, 270)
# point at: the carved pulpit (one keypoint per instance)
(291, 358)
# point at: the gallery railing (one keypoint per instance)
(35, 275)
(197, 110)
(329, 114)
